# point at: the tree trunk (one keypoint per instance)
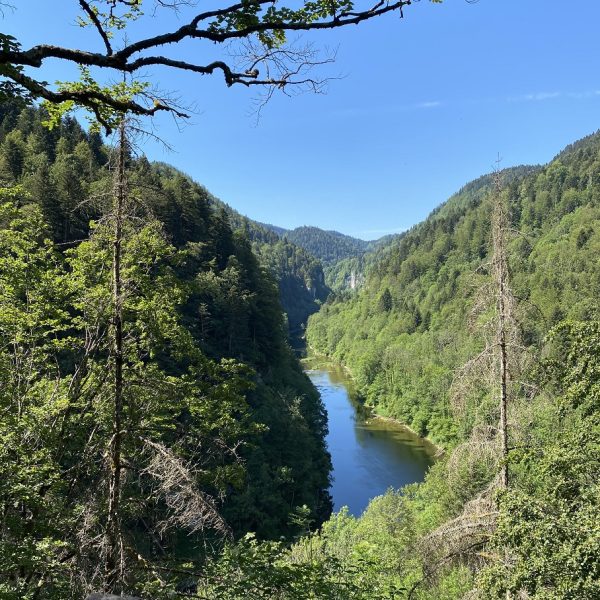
(114, 537)
(500, 270)
(503, 391)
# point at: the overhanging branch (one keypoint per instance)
(255, 24)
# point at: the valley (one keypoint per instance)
(369, 455)
(299, 301)
(270, 451)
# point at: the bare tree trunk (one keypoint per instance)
(114, 536)
(500, 272)
(503, 394)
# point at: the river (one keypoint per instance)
(369, 455)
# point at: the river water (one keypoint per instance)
(369, 455)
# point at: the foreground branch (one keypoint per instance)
(257, 23)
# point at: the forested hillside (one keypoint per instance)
(299, 275)
(212, 397)
(328, 246)
(498, 364)
(345, 259)
(411, 322)
(211, 393)
(280, 231)
(479, 328)
(348, 275)
(161, 439)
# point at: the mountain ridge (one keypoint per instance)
(421, 285)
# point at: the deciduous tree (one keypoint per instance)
(251, 37)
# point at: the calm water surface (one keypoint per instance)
(369, 455)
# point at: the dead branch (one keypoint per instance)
(176, 484)
(461, 540)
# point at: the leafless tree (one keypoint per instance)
(499, 366)
(495, 372)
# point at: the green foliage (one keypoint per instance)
(212, 380)
(301, 281)
(430, 274)
(107, 12)
(212, 388)
(347, 275)
(574, 366)
(328, 246)
(9, 91)
(33, 329)
(386, 302)
(549, 531)
(548, 528)
(545, 540)
(102, 114)
(299, 275)
(269, 570)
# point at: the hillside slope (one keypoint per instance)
(327, 246)
(411, 337)
(299, 275)
(408, 329)
(221, 300)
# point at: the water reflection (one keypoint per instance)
(369, 455)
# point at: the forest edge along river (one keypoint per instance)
(369, 454)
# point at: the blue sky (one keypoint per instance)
(422, 106)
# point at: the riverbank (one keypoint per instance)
(439, 450)
(321, 359)
(369, 455)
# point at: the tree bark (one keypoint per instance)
(500, 269)
(114, 535)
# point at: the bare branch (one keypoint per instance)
(189, 507)
(462, 539)
(94, 19)
(258, 26)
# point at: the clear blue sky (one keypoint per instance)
(425, 105)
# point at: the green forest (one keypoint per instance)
(300, 275)
(210, 382)
(162, 435)
(328, 246)
(416, 338)
(214, 394)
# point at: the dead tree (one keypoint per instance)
(504, 310)
(496, 368)
(113, 525)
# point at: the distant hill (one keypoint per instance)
(349, 274)
(299, 274)
(327, 246)
(406, 330)
(280, 231)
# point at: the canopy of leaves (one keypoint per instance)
(212, 392)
